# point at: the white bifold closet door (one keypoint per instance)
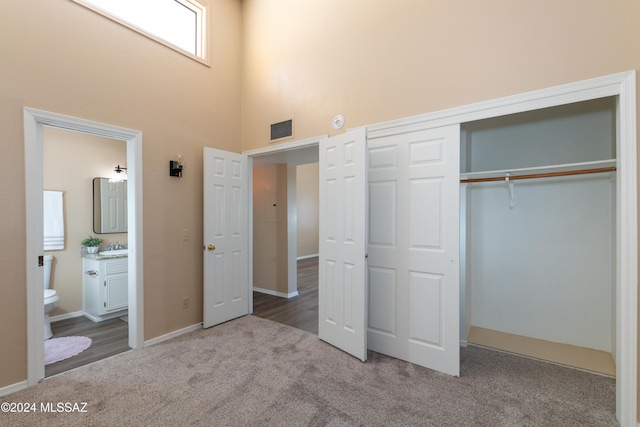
(413, 250)
(342, 281)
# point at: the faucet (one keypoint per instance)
(117, 246)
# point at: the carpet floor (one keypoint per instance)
(255, 372)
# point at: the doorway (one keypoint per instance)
(34, 123)
(290, 295)
(73, 163)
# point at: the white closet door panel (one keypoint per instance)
(382, 300)
(414, 247)
(342, 282)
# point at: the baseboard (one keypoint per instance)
(13, 388)
(66, 316)
(564, 354)
(275, 293)
(307, 256)
(173, 334)
(96, 318)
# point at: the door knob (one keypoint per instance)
(211, 247)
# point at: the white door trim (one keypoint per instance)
(293, 145)
(34, 120)
(622, 85)
(251, 154)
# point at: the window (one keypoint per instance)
(176, 23)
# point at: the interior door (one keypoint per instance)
(342, 290)
(226, 240)
(414, 247)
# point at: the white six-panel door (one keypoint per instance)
(342, 293)
(226, 239)
(413, 250)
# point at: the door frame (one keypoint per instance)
(34, 121)
(279, 150)
(622, 85)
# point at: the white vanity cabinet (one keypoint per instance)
(104, 287)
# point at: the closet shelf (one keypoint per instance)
(540, 172)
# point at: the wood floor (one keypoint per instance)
(300, 312)
(108, 338)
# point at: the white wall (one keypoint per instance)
(571, 133)
(546, 267)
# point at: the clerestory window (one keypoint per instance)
(180, 24)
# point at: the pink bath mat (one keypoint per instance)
(57, 349)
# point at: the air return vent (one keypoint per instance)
(282, 130)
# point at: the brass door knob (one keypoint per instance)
(211, 247)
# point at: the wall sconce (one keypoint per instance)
(119, 174)
(175, 166)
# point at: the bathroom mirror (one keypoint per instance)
(109, 206)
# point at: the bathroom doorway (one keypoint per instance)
(34, 123)
(72, 162)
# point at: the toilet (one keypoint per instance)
(50, 296)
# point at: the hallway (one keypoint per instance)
(300, 312)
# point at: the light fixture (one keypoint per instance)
(175, 166)
(119, 174)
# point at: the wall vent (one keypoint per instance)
(282, 130)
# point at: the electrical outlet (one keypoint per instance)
(185, 302)
(185, 234)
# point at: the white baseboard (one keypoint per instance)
(275, 293)
(66, 316)
(173, 334)
(96, 318)
(13, 388)
(307, 256)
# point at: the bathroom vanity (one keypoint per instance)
(105, 287)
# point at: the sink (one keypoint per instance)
(114, 252)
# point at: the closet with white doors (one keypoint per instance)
(537, 234)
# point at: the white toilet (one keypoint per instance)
(50, 296)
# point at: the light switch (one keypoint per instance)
(185, 234)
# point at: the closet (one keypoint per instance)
(537, 234)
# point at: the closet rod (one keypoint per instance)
(540, 175)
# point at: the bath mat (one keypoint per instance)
(124, 318)
(57, 349)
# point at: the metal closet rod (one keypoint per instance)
(540, 175)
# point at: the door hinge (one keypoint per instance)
(105, 283)
(104, 304)
(40, 260)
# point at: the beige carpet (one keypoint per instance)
(254, 372)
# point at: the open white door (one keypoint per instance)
(226, 240)
(342, 290)
(414, 247)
